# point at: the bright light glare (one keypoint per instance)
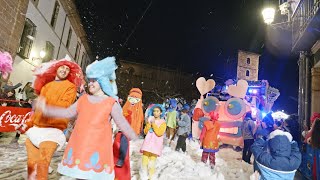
(268, 15)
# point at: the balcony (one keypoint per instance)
(305, 25)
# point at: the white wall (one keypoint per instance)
(41, 17)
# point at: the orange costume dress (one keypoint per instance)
(89, 154)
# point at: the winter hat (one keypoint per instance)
(280, 133)
(186, 107)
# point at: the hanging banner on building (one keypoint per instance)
(11, 117)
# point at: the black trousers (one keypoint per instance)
(181, 144)
(246, 152)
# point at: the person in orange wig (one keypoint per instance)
(57, 81)
(133, 112)
(133, 108)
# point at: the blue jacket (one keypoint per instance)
(280, 161)
(184, 124)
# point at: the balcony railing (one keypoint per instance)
(305, 12)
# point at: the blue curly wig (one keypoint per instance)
(163, 110)
(104, 72)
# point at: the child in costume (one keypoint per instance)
(153, 143)
(183, 131)
(172, 116)
(89, 154)
(209, 139)
(56, 81)
(281, 160)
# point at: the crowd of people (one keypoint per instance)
(23, 97)
(89, 153)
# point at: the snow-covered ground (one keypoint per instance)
(171, 165)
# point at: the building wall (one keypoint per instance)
(12, 14)
(40, 14)
(315, 90)
(244, 66)
(153, 79)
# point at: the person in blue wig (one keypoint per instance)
(89, 154)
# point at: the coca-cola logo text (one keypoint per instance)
(9, 118)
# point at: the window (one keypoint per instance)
(248, 60)
(76, 56)
(69, 38)
(49, 52)
(27, 39)
(83, 58)
(247, 73)
(55, 14)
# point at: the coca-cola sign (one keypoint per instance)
(11, 117)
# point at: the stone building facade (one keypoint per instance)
(248, 66)
(37, 31)
(157, 83)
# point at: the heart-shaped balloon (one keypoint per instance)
(239, 90)
(205, 86)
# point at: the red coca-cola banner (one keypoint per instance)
(11, 117)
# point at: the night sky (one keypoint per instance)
(195, 36)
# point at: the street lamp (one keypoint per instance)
(268, 15)
(42, 54)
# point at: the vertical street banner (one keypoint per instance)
(11, 117)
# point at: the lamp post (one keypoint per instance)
(268, 14)
(303, 62)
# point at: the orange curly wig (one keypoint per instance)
(47, 73)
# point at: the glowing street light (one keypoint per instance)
(42, 54)
(268, 15)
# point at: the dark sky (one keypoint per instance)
(196, 36)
